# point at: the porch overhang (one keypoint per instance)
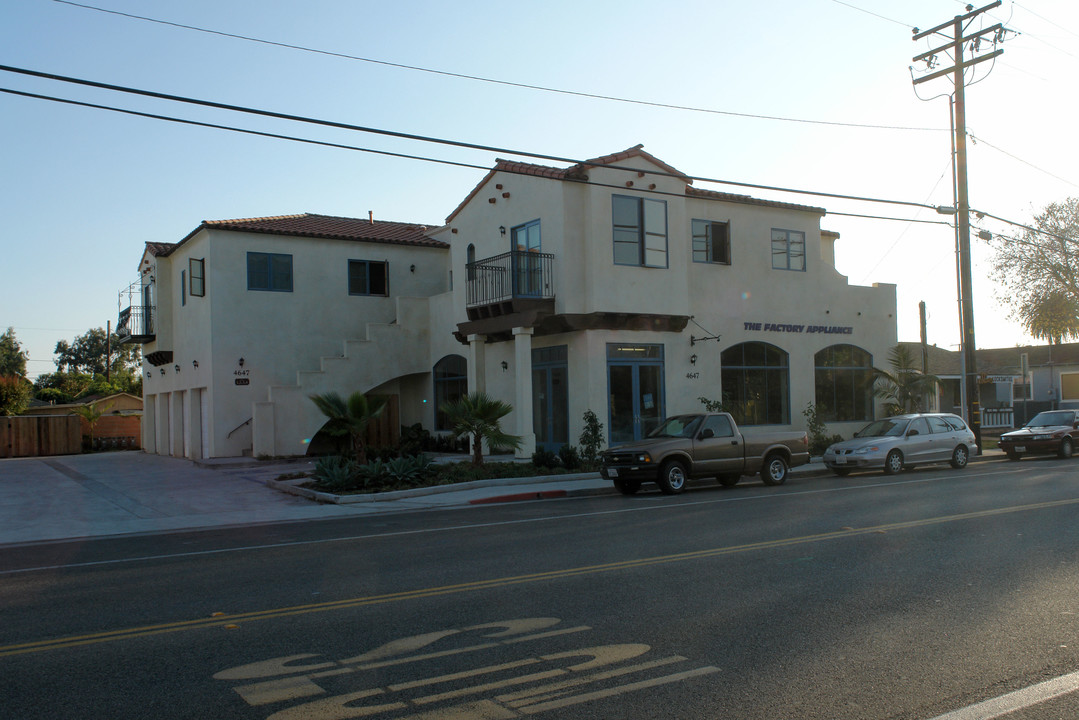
(500, 328)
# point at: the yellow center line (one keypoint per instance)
(221, 621)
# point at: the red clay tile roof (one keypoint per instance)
(578, 172)
(635, 151)
(747, 200)
(328, 226)
(159, 248)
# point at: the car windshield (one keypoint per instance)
(678, 426)
(1046, 419)
(889, 427)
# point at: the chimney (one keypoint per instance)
(371, 216)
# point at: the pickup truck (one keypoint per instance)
(700, 445)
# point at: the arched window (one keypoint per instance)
(756, 384)
(470, 258)
(843, 379)
(451, 382)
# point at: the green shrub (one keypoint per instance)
(336, 473)
(591, 438)
(544, 459)
(570, 458)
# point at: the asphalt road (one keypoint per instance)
(864, 597)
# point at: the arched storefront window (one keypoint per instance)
(756, 384)
(451, 382)
(843, 378)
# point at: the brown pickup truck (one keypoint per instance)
(700, 445)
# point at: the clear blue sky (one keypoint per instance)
(82, 190)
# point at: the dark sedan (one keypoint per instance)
(1047, 433)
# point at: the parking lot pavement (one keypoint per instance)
(120, 493)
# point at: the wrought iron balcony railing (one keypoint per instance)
(136, 320)
(510, 276)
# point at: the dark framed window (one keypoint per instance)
(756, 384)
(197, 267)
(368, 277)
(183, 288)
(640, 231)
(843, 376)
(788, 250)
(451, 383)
(711, 242)
(269, 271)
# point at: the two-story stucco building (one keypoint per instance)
(614, 286)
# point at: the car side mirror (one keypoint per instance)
(707, 433)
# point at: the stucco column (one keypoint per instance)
(477, 363)
(522, 341)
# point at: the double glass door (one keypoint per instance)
(635, 390)
(550, 397)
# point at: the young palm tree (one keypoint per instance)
(349, 418)
(91, 415)
(479, 415)
(905, 387)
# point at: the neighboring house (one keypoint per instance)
(614, 286)
(120, 424)
(1014, 384)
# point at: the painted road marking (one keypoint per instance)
(477, 585)
(662, 503)
(1013, 701)
(548, 681)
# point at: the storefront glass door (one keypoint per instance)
(635, 391)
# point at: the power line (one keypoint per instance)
(439, 141)
(421, 158)
(870, 12)
(508, 83)
(1019, 159)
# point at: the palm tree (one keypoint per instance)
(905, 387)
(479, 415)
(91, 415)
(349, 418)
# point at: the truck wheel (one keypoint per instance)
(893, 463)
(841, 472)
(775, 470)
(728, 480)
(628, 487)
(1012, 454)
(672, 478)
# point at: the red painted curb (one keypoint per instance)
(544, 495)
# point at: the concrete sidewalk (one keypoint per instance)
(123, 493)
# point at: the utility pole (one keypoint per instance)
(956, 43)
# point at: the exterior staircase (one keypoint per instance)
(284, 424)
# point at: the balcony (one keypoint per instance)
(515, 289)
(136, 321)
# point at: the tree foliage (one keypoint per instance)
(12, 356)
(479, 415)
(90, 353)
(14, 394)
(904, 389)
(1038, 272)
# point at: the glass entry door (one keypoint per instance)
(635, 390)
(550, 397)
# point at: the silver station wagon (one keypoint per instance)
(903, 441)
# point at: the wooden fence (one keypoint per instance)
(34, 435)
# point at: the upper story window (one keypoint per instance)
(640, 231)
(711, 242)
(788, 250)
(526, 238)
(368, 277)
(269, 271)
(197, 266)
(183, 288)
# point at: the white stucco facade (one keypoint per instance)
(577, 324)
